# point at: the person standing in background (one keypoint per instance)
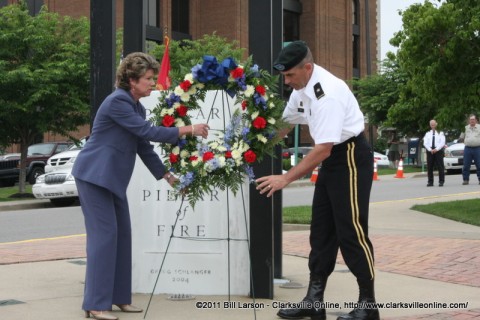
(471, 139)
(434, 143)
(393, 153)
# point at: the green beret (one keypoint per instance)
(291, 55)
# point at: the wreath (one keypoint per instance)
(223, 162)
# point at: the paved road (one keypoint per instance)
(56, 222)
(388, 188)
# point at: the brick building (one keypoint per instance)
(342, 34)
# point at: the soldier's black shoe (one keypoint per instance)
(361, 314)
(300, 313)
(310, 306)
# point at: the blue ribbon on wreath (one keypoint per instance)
(212, 72)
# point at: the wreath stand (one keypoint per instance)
(180, 214)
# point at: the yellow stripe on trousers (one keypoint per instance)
(354, 205)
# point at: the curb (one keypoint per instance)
(25, 204)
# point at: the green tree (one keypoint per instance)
(377, 93)
(439, 47)
(44, 76)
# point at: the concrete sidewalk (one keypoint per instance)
(420, 258)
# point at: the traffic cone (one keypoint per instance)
(400, 169)
(375, 174)
(314, 175)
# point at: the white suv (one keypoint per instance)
(58, 184)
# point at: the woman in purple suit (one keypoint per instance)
(102, 172)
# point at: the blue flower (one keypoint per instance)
(182, 143)
(260, 101)
(172, 100)
(195, 70)
(245, 132)
(185, 180)
(255, 71)
(249, 171)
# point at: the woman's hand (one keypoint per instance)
(200, 129)
(170, 178)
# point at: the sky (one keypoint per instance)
(391, 22)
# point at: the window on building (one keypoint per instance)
(34, 6)
(153, 13)
(180, 16)
(356, 38)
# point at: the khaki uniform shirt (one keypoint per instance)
(471, 136)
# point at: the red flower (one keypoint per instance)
(207, 156)
(168, 121)
(228, 154)
(236, 73)
(185, 85)
(260, 89)
(182, 110)
(193, 158)
(244, 104)
(250, 156)
(259, 123)
(173, 158)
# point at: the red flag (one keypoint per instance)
(163, 80)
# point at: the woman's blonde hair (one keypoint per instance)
(134, 66)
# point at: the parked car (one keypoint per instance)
(382, 160)
(58, 184)
(37, 156)
(302, 152)
(10, 156)
(453, 160)
(64, 159)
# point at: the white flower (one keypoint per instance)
(255, 115)
(178, 91)
(200, 85)
(271, 105)
(185, 97)
(262, 138)
(183, 163)
(179, 122)
(236, 154)
(176, 150)
(214, 145)
(189, 77)
(184, 154)
(221, 149)
(221, 161)
(195, 162)
(271, 120)
(250, 91)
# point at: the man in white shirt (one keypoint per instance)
(434, 142)
(342, 191)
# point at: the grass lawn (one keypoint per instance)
(406, 169)
(465, 211)
(7, 193)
